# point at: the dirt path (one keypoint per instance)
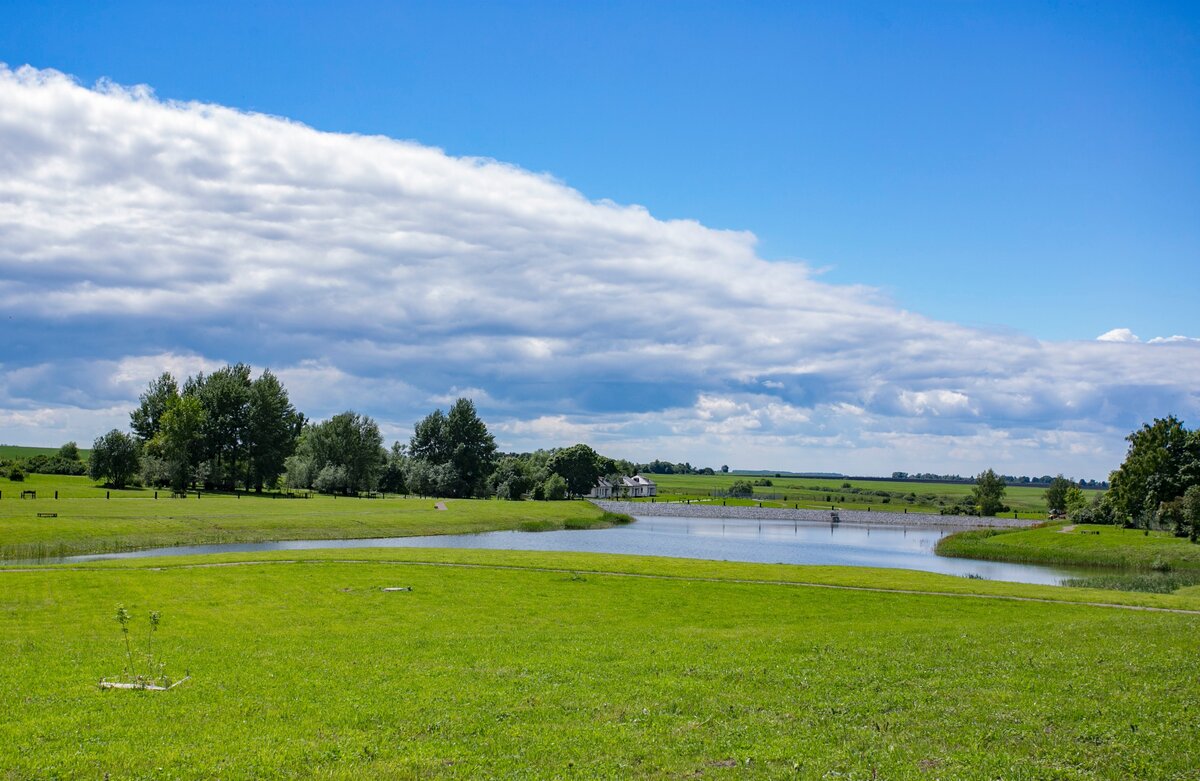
(1067, 529)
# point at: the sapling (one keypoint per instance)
(155, 673)
(150, 666)
(123, 620)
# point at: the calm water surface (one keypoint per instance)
(768, 542)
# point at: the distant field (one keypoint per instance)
(20, 451)
(525, 665)
(821, 492)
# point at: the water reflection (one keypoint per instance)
(768, 542)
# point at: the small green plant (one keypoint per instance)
(147, 672)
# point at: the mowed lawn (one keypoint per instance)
(134, 519)
(1083, 544)
(517, 665)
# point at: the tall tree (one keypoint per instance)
(1056, 494)
(272, 427)
(579, 466)
(179, 439)
(988, 494)
(472, 447)
(459, 444)
(347, 440)
(1163, 460)
(145, 420)
(225, 395)
(114, 458)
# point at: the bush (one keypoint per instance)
(155, 472)
(741, 488)
(332, 479)
(555, 488)
(15, 474)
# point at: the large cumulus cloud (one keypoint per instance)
(384, 275)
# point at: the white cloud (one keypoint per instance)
(1118, 335)
(138, 235)
(1177, 339)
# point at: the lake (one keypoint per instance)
(768, 542)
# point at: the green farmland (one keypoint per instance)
(523, 665)
(17, 452)
(821, 492)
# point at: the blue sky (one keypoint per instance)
(1021, 174)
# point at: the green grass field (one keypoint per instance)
(1085, 545)
(820, 492)
(21, 451)
(134, 519)
(525, 665)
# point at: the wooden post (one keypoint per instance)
(108, 494)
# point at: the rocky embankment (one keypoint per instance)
(874, 518)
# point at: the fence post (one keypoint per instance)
(56, 494)
(108, 494)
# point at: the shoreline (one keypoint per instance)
(858, 517)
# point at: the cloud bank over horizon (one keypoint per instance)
(138, 236)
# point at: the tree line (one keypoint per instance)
(229, 430)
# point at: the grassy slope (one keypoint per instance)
(489, 671)
(123, 523)
(811, 492)
(1111, 547)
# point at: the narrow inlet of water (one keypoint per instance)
(764, 542)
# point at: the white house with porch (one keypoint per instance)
(628, 487)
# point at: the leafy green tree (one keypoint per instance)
(332, 479)
(1075, 501)
(349, 440)
(988, 494)
(429, 441)
(179, 439)
(724, 469)
(69, 452)
(146, 419)
(579, 466)
(1191, 512)
(472, 448)
(1056, 494)
(114, 458)
(298, 471)
(225, 395)
(511, 480)
(1163, 460)
(428, 479)
(459, 440)
(555, 487)
(391, 479)
(272, 428)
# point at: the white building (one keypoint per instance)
(601, 490)
(638, 486)
(628, 487)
